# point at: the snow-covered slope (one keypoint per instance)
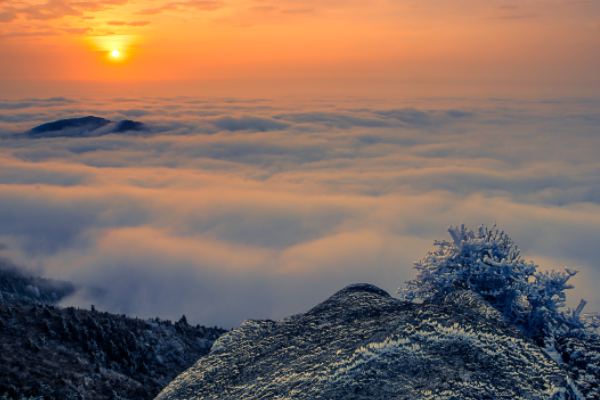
(363, 344)
(53, 353)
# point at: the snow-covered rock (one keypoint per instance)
(363, 344)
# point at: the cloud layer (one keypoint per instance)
(233, 208)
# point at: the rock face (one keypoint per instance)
(363, 344)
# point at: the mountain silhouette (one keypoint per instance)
(89, 126)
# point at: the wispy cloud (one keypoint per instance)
(97, 5)
(53, 9)
(139, 23)
(77, 31)
(41, 33)
(298, 11)
(517, 16)
(134, 23)
(182, 5)
(8, 15)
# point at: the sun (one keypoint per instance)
(115, 53)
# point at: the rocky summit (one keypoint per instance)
(363, 344)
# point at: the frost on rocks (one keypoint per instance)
(490, 264)
(363, 344)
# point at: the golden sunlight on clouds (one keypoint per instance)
(249, 39)
(223, 198)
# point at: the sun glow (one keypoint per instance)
(112, 49)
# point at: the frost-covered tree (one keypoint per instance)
(489, 263)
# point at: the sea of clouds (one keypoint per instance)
(235, 208)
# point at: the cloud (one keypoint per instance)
(139, 23)
(182, 5)
(298, 11)
(27, 176)
(53, 9)
(278, 12)
(201, 5)
(28, 103)
(263, 8)
(77, 31)
(134, 23)
(28, 34)
(7, 16)
(97, 5)
(409, 116)
(249, 123)
(21, 117)
(51, 100)
(134, 112)
(459, 113)
(153, 11)
(57, 224)
(231, 209)
(252, 289)
(518, 16)
(332, 119)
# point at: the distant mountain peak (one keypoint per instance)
(89, 126)
(88, 123)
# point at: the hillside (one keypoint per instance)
(67, 353)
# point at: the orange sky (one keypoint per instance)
(426, 40)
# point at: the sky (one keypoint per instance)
(293, 147)
(543, 41)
